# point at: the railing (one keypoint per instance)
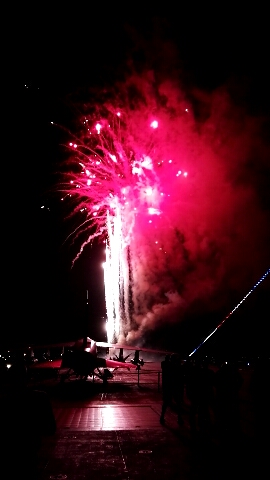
(140, 377)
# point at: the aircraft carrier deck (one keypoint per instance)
(114, 432)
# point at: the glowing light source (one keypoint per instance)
(98, 128)
(153, 211)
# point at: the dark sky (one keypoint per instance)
(217, 61)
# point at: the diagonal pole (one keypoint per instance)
(232, 311)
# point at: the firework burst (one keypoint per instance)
(115, 179)
(163, 191)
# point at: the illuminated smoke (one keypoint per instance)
(176, 200)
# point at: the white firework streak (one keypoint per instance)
(116, 278)
(112, 277)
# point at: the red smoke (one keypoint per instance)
(210, 242)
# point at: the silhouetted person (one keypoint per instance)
(205, 396)
(192, 391)
(260, 390)
(166, 382)
(178, 385)
(172, 386)
(200, 393)
(228, 381)
(26, 417)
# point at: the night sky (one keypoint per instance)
(216, 64)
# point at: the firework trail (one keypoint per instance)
(115, 181)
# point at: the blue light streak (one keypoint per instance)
(232, 311)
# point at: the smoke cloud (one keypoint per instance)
(211, 242)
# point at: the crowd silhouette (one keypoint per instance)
(173, 384)
(211, 396)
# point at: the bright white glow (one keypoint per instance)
(111, 275)
(98, 127)
(116, 278)
(153, 211)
